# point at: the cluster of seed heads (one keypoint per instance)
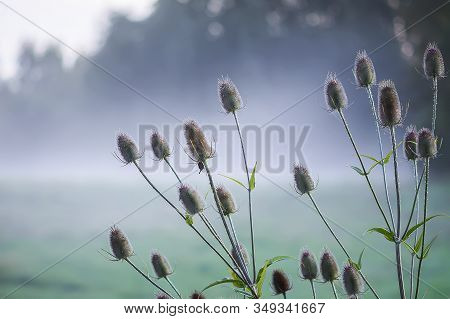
(328, 267)
(389, 108)
(226, 200)
(352, 281)
(127, 149)
(229, 95)
(199, 148)
(363, 70)
(427, 143)
(190, 199)
(280, 282)
(197, 295)
(120, 246)
(308, 265)
(303, 181)
(433, 62)
(160, 147)
(161, 265)
(335, 95)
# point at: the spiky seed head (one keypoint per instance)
(197, 295)
(433, 62)
(364, 70)
(335, 95)
(159, 146)
(328, 267)
(308, 265)
(280, 282)
(303, 181)
(161, 265)
(127, 148)
(190, 199)
(229, 95)
(427, 143)
(197, 144)
(226, 200)
(162, 295)
(120, 246)
(390, 110)
(243, 252)
(411, 141)
(352, 281)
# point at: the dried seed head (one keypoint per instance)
(433, 62)
(410, 143)
(162, 295)
(197, 295)
(159, 146)
(328, 267)
(161, 265)
(335, 95)
(243, 252)
(427, 144)
(226, 200)
(119, 243)
(127, 148)
(364, 70)
(229, 95)
(303, 181)
(352, 281)
(308, 265)
(390, 110)
(190, 199)
(280, 282)
(197, 144)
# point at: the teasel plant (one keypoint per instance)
(308, 269)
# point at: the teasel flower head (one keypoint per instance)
(198, 147)
(229, 95)
(162, 295)
(243, 252)
(390, 110)
(433, 62)
(226, 200)
(427, 144)
(411, 141)
(127, 149)
(363, 70)
(303, 181)
(352, 281)
(328, 267)
(308, 265)
(335, 95)
(190, 199)
(159, 146)
(280, 282)
(197, 295)
(120, 246)
(161, 265)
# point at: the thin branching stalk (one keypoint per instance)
(380, 147)
(347, 129)
(411, 278)
(313, 289)
(340, 244)
(425, 204)
(147, 277)
(252, 236)
(334, 290)
(237, 241)
(284, 295)
(435, 97)
(173, 170)
(398, 251)
(173, 287)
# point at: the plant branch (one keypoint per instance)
(435, 97)
(313, 289)
(173, 170)
(173, 287)
(411, 278)
(334, 290)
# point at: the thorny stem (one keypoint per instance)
(173, 170)
(427, 176)
(313, 289)
(411, 282)
(334, 290)
(435, 96)
(249, 196)
(237, 242)
(363, 168)
(340, 244)
(398, 251)
(173, 287)
(147, 278)
(380, 147)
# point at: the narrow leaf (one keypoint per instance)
(386, 233)
(262, 272)
(428, 247)
(219, 282)
(412, 229)
(411, 249)
(189, 220)
(360, 259)
(238, 283)
(358, 170)
(234, 180)
(371, 158)
(252, 178)
(418, 244)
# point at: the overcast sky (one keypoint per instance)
(78, 23)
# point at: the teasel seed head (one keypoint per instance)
(190, 199)
(410, 143)
(335, 95)
(364, 70)
(427, 143)
(226, 200)
(280, 282)
(162, 295)
(390, 110)
(119, 243)
(303, 181)
(127, 148)
(328, 267)
(308, 265)
(433, 62)
(243, 252)
(159, 146)
(197, 295)
(197, 144)
(229, 95)
(352, 281)
(161, 265)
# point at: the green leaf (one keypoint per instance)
(252, 178)
(360, 259)
(189, 220)
(371, 158)
(242, 292)
(238, 283)
(262, 272)
(358, 170)
(411, 250)
(234, 180)
(428, 247)
(220, 282)
(418, 244)
(412, 229)
(386, 233)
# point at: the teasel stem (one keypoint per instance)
(173, 287)
(411, 283)
(173, 170)
(334, 290)
(435, 97)
(252, 236)
(425, 204)
(147, 278)
(380, 147)
(340, 244)
(284, 295)
(347, 129)
(237, 243)
(313, 289)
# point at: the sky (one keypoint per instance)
(78, 23)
